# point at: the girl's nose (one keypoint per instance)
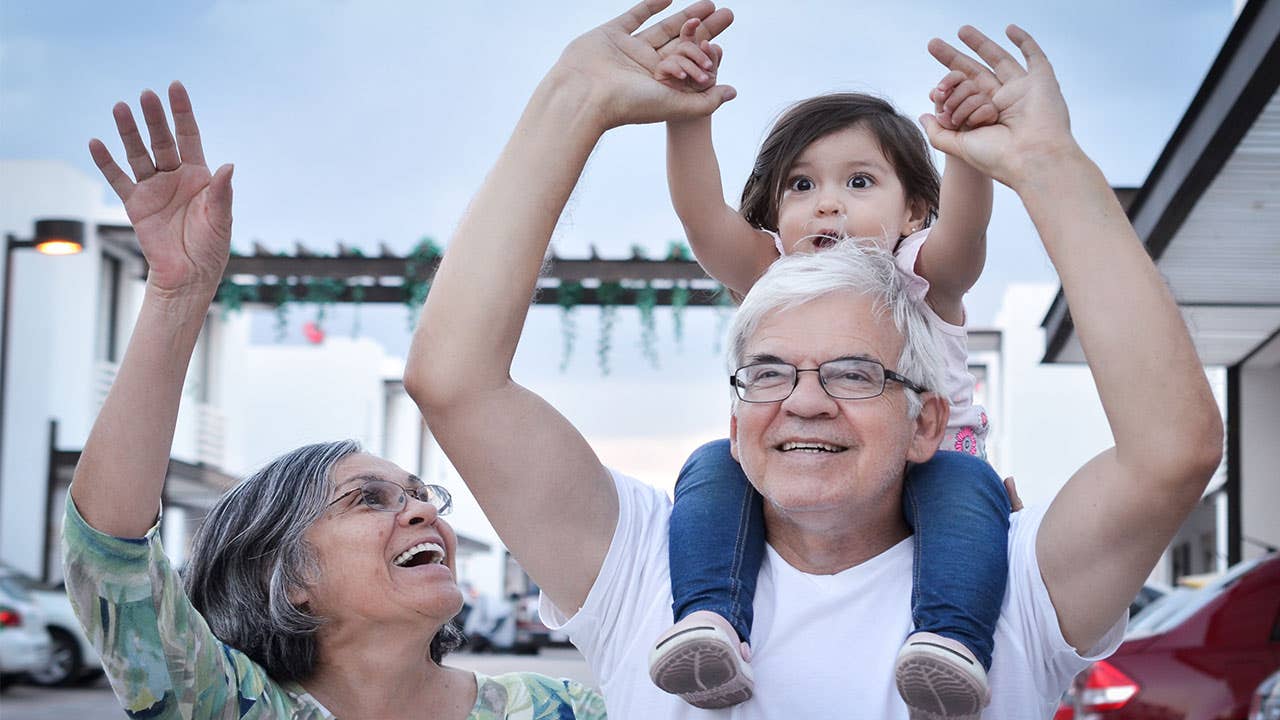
(829, 204)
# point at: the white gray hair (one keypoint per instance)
(849, 266)
(250, 553)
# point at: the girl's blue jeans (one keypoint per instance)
(955, 503)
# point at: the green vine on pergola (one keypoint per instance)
(283, 281)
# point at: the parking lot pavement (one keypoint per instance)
(29, 702)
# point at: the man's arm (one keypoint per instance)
(538, 481)
(1108, 526)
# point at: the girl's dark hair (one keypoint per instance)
(901, 141)
(249, 553)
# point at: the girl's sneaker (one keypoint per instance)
(701, 660)
(940, 679)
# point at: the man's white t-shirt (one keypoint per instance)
(823, 645)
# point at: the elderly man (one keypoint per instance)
(832, 604)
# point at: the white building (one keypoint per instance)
(69, 320)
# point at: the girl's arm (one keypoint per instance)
(182, 216)
(953, 257)
(727, 246)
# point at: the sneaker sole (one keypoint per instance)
(702, 668)
(933, 686)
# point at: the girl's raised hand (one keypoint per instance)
(1032, 124)
(617, 66)
(690, 62)
(179, 210)
(959, 103)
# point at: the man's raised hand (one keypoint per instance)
(1033, 125)
(179, 210)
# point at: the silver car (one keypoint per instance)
(24, 641)
(72, 658)
(1266, 700)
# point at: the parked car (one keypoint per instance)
(72, 658)
(1266, 700)
(1193, 654)
(24, 641)
(1147, 595)
(531, 634)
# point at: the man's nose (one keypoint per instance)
(809, 399)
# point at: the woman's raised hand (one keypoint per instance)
(619, 66)
(180, 212)
(1033, 125)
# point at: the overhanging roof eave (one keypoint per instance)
(1242, 79)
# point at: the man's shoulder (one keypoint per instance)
(637, 496)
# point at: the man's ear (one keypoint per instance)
(930, 426)
(733, 436)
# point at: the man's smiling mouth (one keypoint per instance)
(811, 447)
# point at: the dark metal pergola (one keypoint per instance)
(383, 278)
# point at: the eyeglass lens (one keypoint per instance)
(388, 496)
(844, 379)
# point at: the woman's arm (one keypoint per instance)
(182, 216)
(534, 475)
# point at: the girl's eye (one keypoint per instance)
(800, 184)
(861, 182)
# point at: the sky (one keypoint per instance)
(374, 122)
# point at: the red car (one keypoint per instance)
(1192, 655)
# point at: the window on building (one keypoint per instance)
(107, 343)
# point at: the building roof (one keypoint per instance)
(1209, 213)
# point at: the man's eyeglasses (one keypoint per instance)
(844, 379)
(386, 496)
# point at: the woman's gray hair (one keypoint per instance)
(250, 553)
(851, 265)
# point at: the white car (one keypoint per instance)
(71, 658)
(24, 641)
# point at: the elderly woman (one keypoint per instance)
(321, 586)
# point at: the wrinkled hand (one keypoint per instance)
(1015, 502)
(618, 66)
(959, 103)
(180, 212)
(691, 62)
(1032, 125)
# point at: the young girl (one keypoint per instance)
(837, 166)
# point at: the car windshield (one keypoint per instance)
(1172, 609)
(14, 586)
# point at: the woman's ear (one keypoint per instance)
(300, 598)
